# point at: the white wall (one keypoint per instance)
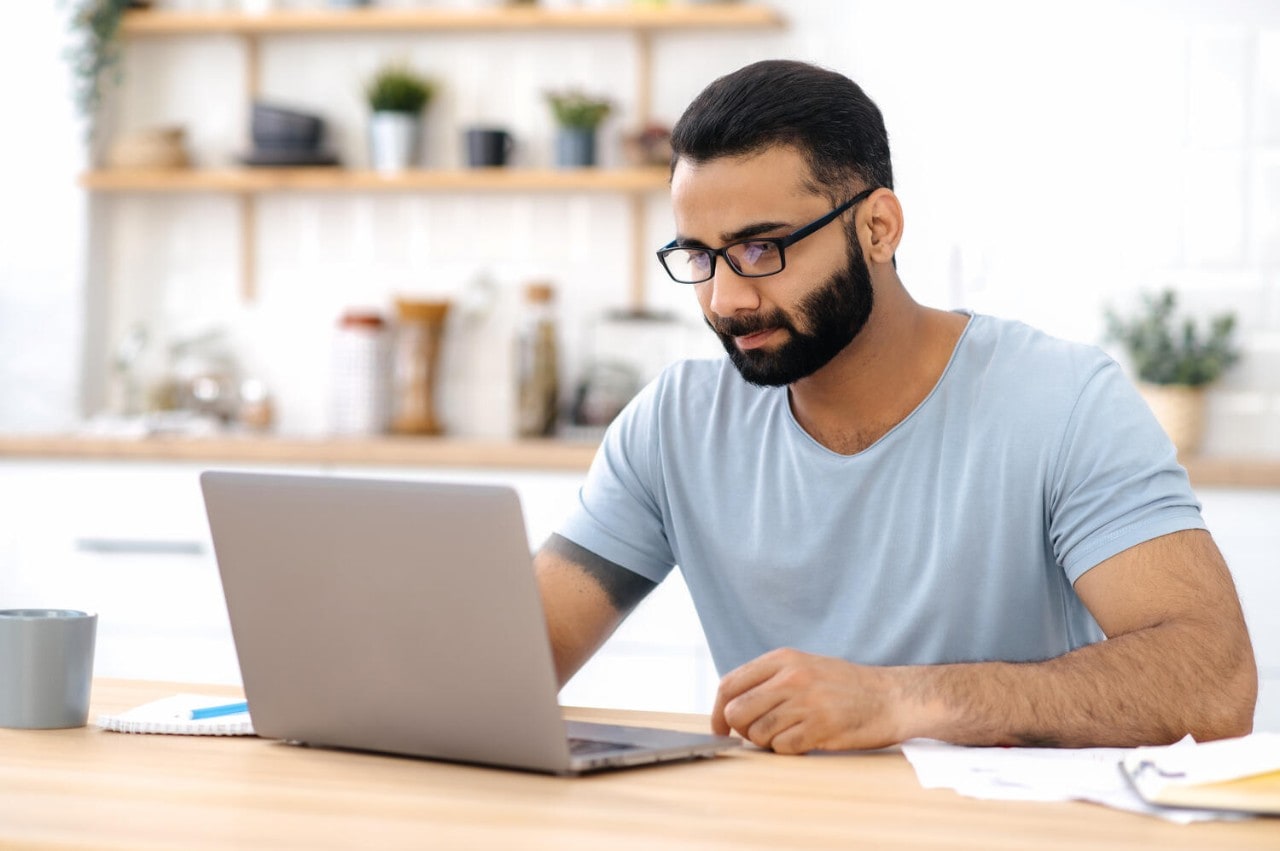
(1048, 161)
(42, 225)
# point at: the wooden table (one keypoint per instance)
(88, 788)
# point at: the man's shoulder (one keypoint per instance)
(1017, 351)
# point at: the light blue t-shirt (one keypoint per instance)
(955, 537)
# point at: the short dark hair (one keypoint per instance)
(825, 115)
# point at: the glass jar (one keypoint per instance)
(419, 329)
(537, 365)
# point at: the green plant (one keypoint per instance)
(95, 48)
(574, 108)
(398, 88)
(1166, 352)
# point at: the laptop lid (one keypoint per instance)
(397, 616)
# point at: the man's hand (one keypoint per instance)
(794, 702)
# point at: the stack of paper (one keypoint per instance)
(1233, 774)
(1099, 775)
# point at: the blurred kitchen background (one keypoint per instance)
(1050, 159)
(1053, 160)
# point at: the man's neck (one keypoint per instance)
(879, 378)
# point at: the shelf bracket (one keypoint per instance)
(644, 114)
(248, 247)
(248, 207)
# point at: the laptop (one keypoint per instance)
(403, 617)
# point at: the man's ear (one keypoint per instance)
(880, 226)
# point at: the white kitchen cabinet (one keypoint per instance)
(129, 540)
(1246, 525)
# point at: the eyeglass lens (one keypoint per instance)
(749, 258)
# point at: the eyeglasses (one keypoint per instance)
(757, 257)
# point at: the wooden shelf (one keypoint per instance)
(250, 180)
(634, 18)
(1231, 472)
(642, 22)
(551, 455)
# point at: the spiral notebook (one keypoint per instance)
(1231, 774)
(172, 715)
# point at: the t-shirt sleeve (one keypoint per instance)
(619, 512)
(1116, 482)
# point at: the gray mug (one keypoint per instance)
(46, 667)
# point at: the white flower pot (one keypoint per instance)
(393, 141)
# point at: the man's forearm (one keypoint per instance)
(1149, 686)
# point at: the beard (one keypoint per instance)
(833, 314)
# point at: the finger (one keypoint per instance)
(734, 684)
(751, 674)
(791, 740)
(764, 729)
(719, 726)
(756, 715)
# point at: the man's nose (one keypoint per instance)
(730, 292)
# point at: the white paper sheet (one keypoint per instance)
(1041, 774)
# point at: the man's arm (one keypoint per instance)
(1177, 660)
(584, 597)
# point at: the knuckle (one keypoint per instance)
(789, 742)
(761, 734)
(795, 679)
(738, 715)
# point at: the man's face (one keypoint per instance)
(833, 313)
(784, 327)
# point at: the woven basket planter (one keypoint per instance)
(1180, 410)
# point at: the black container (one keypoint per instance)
(276, 128)
(487, 147)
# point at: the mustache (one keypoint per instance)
(742, 326)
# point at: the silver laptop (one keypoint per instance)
(402, 617)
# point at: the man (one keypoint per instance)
(904, 522)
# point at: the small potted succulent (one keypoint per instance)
(578, 115)
(1175, 361)
(397, 96)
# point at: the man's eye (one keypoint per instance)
(753, 252)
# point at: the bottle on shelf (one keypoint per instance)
(420, 328)
(537, 364)
(358, 398)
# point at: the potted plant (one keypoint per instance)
(577, 115)
(1175, 361)
(95, 49)
(397, 97)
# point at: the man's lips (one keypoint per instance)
(754, 341)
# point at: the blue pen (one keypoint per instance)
(217, 711)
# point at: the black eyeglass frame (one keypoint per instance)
(779, 242)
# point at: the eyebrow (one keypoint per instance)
(739, 234)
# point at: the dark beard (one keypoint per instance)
(834, 313)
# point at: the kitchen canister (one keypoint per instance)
(420, 329)
(359, 398)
